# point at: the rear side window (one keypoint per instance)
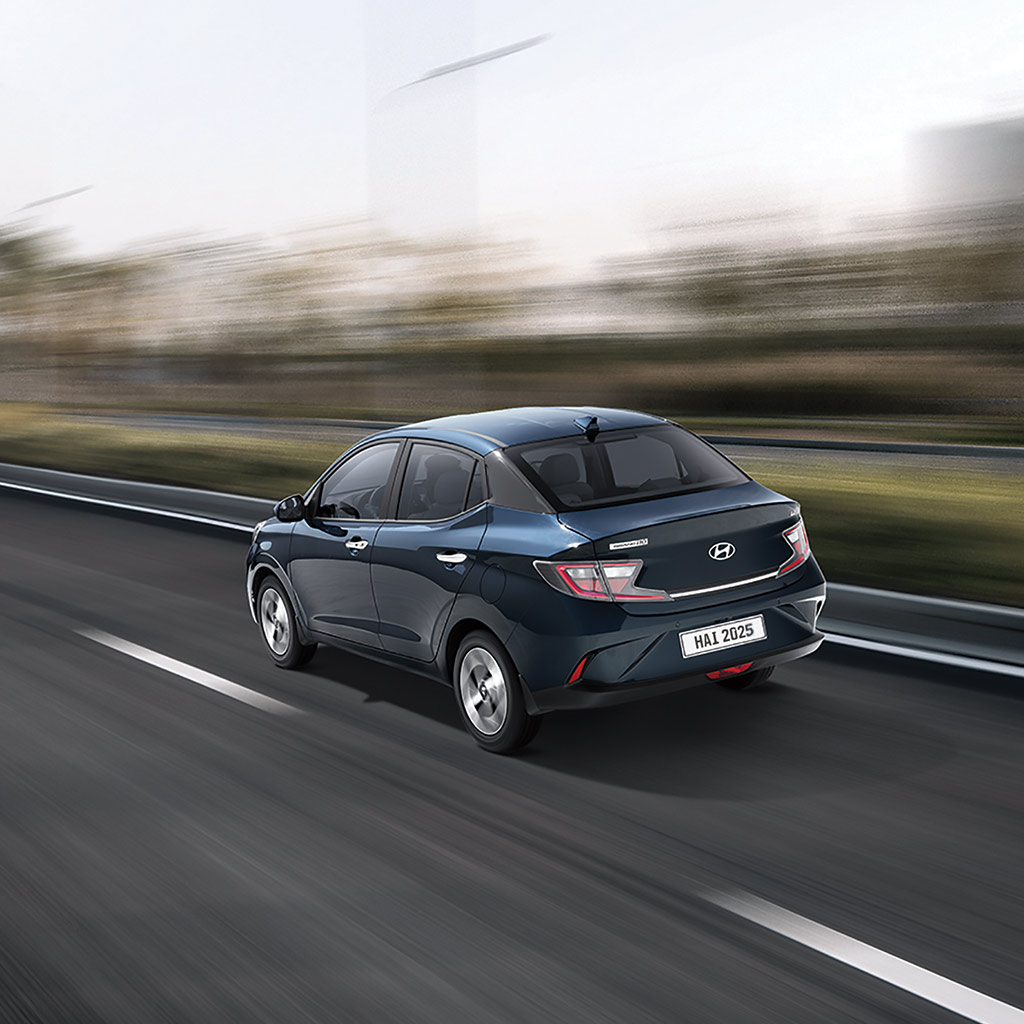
(623, 465)
(436, 483)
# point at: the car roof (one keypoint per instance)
(483, 432)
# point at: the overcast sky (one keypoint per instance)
(247, 117)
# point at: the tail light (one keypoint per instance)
(582, 580)
(598, 581)
(796, 537)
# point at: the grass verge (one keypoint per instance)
(948, 533)
(944, 533)
(261, 467)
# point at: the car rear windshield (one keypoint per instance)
(623, 465)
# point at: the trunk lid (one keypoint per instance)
(674, 537)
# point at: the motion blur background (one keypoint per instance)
(791, 220)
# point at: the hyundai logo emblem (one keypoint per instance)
(721, 551)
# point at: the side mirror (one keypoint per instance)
(290, 509)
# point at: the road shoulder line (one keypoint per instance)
(124, 506)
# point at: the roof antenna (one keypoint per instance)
(589, 427)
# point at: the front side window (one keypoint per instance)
(358, 488)
(437, 483)
(623, 465)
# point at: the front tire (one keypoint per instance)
(278, 627)
(489, 697)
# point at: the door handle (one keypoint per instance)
(451, 557)
(357, 544)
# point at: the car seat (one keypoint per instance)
(561, 472)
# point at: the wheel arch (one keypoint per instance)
(456, 635)
(262, 571)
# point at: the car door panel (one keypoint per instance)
(332, 580)
(331, 552)
(422, 558)
(414, 590)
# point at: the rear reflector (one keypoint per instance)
(578, 670)
(734, 671)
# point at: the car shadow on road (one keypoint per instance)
(777, 740)
(385, 684)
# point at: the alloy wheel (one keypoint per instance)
(274, 621)
(483, 690)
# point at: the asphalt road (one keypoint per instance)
(172, 854)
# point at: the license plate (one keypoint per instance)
(722, 636)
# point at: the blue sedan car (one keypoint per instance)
(537, 559)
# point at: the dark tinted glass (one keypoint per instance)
(477, 487)
(508, 487)
(623, 465)
(436, 483)
(358, 487)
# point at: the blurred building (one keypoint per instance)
(422, 159)
(975, 165)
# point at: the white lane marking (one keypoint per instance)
(106, 503)
(186, 671)
(929, 986)
(957, 660)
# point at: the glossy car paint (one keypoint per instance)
(391, 598)
(415, 591)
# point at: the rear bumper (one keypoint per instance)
(630, 657)
(591, 695)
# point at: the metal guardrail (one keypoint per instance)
(960, 451)
(212, 508)
(966, 629)
(964, 633)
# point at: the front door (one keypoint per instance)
(332, 549)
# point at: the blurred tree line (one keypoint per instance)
(924, 317)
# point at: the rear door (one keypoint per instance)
(422, 557)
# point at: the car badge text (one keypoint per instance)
(642, 542)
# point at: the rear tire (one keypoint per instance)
(488, 695)
(746, 679)
(278, 628)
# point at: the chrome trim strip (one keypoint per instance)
(724, 586)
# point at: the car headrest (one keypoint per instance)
(450, 488)
(436, 466)
(559, 469)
